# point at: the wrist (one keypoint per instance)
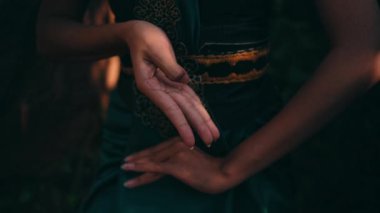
(124, 35)
(131, 30)
(126, 32)
(232, 171)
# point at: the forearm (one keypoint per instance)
(65, 39)
(343, 75)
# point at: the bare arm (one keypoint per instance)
(347, 71)
(350, 69)
(61, 34)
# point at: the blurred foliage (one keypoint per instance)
(48, 160)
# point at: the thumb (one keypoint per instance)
(166, 61)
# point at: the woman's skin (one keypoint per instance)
(350, 69)
(62, 36)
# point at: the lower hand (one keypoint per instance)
(191, 166)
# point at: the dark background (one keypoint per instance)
(51, 114)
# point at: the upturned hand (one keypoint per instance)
(159, 77)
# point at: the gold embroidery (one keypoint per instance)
(233, 58)
(233, 77)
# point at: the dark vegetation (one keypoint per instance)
(51, 114)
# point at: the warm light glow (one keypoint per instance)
(377, 66)
(112, 73)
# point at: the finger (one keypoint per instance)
(149, 166)
(206, 116)
(174, 113)
(193, 115)
(163, 101)
(162, 155)
(191, 92)
(143, 179)
(151, 151)
(180, 86)
(166, 61)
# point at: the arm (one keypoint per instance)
(348, 70)
(61, 35)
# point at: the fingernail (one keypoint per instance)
(128, 158)
(128, 166)
(209, 145)
(128, 184)
(192, 148)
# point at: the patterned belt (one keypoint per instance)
(229, 67)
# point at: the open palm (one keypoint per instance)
(160, 78)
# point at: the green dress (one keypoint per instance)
(224, 47)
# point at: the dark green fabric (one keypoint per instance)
(201, 21)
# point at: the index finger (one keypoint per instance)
(175, 115)
(151, 150)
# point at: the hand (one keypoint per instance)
(191, 166)
(159, 77)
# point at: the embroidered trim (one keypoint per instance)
(231, 78)
(234, 77)
(231, 58)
